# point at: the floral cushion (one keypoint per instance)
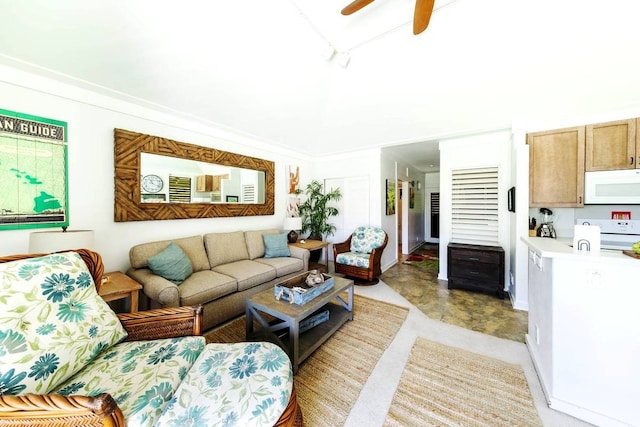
(52, 322)
(244, 384)
(355, 259)
(142, 376)
(366, 239)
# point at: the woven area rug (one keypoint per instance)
(424, 257)
(329, 382)
(446, 386)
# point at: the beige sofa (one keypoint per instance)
(227, 269)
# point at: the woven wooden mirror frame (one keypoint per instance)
(129, 145)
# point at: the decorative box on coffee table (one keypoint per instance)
(299, 292)
(280, 321)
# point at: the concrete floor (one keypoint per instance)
(470, 310)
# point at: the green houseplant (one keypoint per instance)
(315, 211)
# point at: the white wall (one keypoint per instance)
(91, 119)
(486, 150)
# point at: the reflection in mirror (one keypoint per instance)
(211, 183)
(167, 179)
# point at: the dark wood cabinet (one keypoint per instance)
(476, 268)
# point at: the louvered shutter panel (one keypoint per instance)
(475, 206)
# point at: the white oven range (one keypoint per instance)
(615, 234)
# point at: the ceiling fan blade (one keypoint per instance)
(422, 15)
(355, 6)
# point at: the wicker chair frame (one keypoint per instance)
(361, 275)
(102, 410)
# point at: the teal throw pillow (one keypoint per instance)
(172, 264)
(276, 245)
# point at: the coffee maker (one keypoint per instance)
(545, 229)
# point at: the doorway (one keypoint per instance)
(434, 229)
(399, 218)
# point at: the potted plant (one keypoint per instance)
(315, 212)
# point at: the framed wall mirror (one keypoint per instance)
(158, 178)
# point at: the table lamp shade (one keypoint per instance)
(293, 223)
(44, 242)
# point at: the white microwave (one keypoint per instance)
(618, 187)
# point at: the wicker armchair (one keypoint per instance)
(359, 256)
(102, 410)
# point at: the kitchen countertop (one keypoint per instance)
(560, 248)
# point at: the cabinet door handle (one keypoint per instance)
(474, 259)
(631, 160)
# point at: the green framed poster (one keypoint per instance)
(33, 172)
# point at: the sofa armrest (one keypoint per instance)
(162, 323)
(156, 287)
(57, 410)
(302, 254)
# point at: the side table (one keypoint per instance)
(118, 286)
(313, 245)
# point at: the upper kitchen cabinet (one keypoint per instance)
(208, 183)
(611, 146)
(556, 167)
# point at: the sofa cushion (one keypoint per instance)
(192, 246)
(253, 380)
(172, 264)
(247, 273)
(223, 248)
(141, 376)
(205, 286)
(283, 265)
(276, 245)
(255, 242)
(366, 239)
(52, 322)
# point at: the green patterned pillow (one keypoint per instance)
(52, 322)
(172, 264)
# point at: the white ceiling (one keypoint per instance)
(257, 66)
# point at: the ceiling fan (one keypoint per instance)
(421, 15)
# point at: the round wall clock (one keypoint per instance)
(151, 183)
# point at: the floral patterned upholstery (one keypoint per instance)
(363, 241)
(366, 239)
(244, 384)
(352, 258)
(142, 376)
(52, 322)
(58, 336)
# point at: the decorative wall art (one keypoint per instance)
(391, 197)
(293, 179)
(33, 172)
(412, 197)
(293, 185)
(293, 206)
(511, 199)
